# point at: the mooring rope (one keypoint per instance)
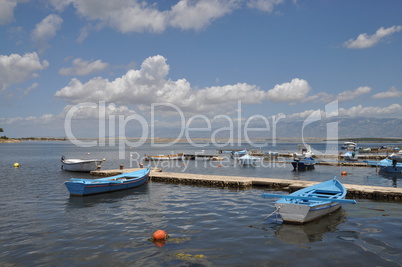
(251, 225)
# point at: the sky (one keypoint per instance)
(93, 68)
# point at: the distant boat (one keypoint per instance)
(80, 165)
(247, 160)
(84, 187)
(304, 153)
(238, 154)
(396, 156)
(386, 165)
(312, 202)
(349, 145)
(304, 164)
(351, 156)
(166, 157)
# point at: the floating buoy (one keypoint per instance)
(104, 159)
(344, 173)
(159, 235)
(184, 164)
(16, 165)
(219, 165)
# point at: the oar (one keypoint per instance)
(350, 201)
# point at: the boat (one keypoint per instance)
(79, 165)
(304, 153)
(396, 156)
(165, 157)
(351, 156)
(304, 164)
(386, 165)
(349, 145)
(84, 187)
(238, 154)
(311, 203)
(247, 160)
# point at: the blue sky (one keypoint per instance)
(204, 57)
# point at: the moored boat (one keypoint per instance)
(305, 152)
(247, 160)
(84, 187)
(304, 164)
(166, 157)
(351, 156)
(80, 165)
(312, 202)
(386, 165)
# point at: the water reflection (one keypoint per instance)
(112, 197)
(311, 232)
(394, 177)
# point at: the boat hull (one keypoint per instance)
(300, 214)
(80, 166)
(85, 187)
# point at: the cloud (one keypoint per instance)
(364, 40)
(360, 111)
(350, 95)
(83, 67)
(149, 85)
(17, 69)
(392, 92)
(264, 5)
(295, 91)
(139, 16)
(7, 11)
(46, 29)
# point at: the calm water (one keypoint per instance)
(41, 225)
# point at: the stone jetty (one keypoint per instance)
(354, 191)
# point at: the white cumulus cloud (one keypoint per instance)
(392, 92)
(364, 40)
(7, 11)
(294, 91)
(46, 29)
(83, 67)
(150, 85)
(360, 111)
(350, 95)
(17, 69)
(264, 5)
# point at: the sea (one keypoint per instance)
(42, 225)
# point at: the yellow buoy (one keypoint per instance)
(16, 165)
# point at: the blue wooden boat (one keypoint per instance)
(386, 165)
(84, 187)
(312, 202)
(304, 164)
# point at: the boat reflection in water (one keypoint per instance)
(310, 232)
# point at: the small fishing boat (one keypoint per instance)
(351, 156)
(312, 202)
(397, 155)
(166, 157)
(305, 152)
(304, 164)
(247, 160)
(349, 145)
(238, 154)
(386, 165)
(273, 153)
(84, 187)
(79, 165)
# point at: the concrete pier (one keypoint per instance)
(354, 191)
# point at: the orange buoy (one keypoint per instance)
(344, 173)
(219, 165)
(159, 235)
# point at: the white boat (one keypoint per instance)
(80, 165)
(349, 145)
(247, 160)
(312, 202)
(351, 156)
(304, 153)
(238, 154)
(166, 157)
